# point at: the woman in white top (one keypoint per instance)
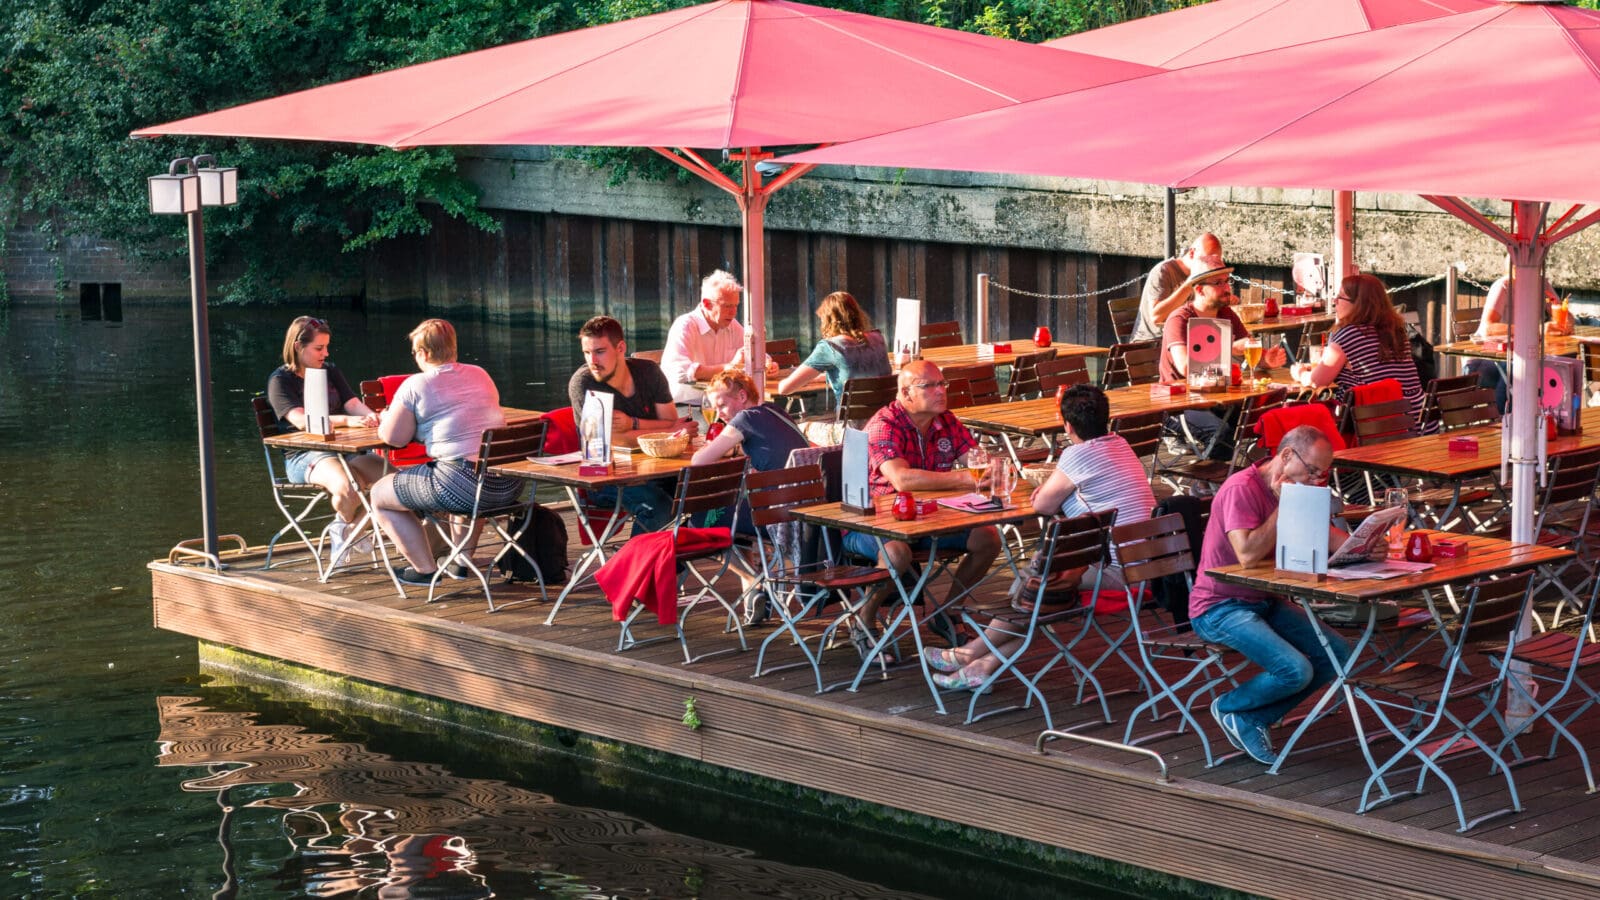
(1097, 471)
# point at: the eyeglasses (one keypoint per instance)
(931, 385)
(1221, 282)
(1344, 298)
(1316, 474)
(310, 327)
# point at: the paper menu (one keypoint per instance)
(594, 427)
(318, 420)
(907, 328)
(1304, 511)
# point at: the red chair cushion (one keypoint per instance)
(412, 454)
(561, 435)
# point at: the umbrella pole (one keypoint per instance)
(1344, 235)
(753, 210)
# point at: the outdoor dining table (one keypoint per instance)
(1041, 417)
(970, 354)
(1486, 556)
(883, 526)
(351, 440)
(1554, 344)
(642, 469)
(1281, 324)
(1429, 456)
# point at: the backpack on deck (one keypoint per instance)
(1422, 353)
(545, 540)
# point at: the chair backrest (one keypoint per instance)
(1246, 438)
(1072, 543)
(865, 395)
(784, 352)
(1315, 332)
(958, 393)
(939, 334)
(1124, 317)
(1025, 374)
(373, 396)
(1275, 423)
(715, 485)
(413, 453)
(652, 355)
(983, 384)
(1151, 549)
(1135, 363)
(1376, 423)
(509, 444)
(266, 419)
(1465, 322)
(561, 432)
(1440, 386)
(1142, 431)
(773, 493)
(1062, 372)
(1573, 478)
(1464, 409)
(1490, 615)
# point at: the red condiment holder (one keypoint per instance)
(1041, 336)
(1418, 547)
(905, 507)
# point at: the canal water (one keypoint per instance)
(124, 774)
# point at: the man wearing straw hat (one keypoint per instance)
(1169, 286)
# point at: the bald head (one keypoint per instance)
(922, 388)
(918, 370)
(1206, 244)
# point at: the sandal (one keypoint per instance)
(961, 681)
(941, 660)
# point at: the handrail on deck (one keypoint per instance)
(1051, 734)
(194, 549)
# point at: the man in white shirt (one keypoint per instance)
(705, 340)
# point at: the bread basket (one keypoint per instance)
(663, 444)
(1037, 474)
(1251, 313)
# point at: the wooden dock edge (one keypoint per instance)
(1191, 830)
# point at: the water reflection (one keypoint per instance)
(354, 822)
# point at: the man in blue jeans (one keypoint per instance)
(1271, 632)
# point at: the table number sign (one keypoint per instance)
(854, 472)
(595, 428)
(1303, 514)
(907, 329)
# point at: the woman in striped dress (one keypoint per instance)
(1368, 345)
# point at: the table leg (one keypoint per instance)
(596, 556)
(367, 520)
(907, 611)
(1336, 687)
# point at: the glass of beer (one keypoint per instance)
(707, 410)
(1252, 354)
(977, 464)
(1397, 531)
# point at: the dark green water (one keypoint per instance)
(123, 775)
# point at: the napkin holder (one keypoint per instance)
(1463, 444)
(591, 468)
(1001, 347)
(1449, 548)
(1160, 391)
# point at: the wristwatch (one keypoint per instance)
(635, 423)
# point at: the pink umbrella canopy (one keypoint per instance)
(1500, 102)
(1223, 29)
(735, 73)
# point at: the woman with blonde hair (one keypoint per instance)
(849, 347)
(305, 346)
(1368, 344)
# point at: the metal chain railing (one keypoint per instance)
(1078, 296)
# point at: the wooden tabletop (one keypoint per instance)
(967, 354)
(645, 468)
(1485, 556)
(820, 383)
(883, 524)
(1285, 323)
(1429, 456)
(1040, 417)
(1554, 344)
(357, 439)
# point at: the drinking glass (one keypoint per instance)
(707, 410)
(1252, 354)
(977, 464)
(1002, 479)
(1397, 532)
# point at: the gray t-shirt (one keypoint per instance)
(453, 404)
(1163, 280)
(649, 388)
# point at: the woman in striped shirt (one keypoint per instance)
(1368, 345)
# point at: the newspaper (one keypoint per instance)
(1370, 537)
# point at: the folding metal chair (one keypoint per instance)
(1067, 543)
(982, 384)
(1559, 662)
(797, 590)
(1421, 704)
(1180, 666)
(701, 489)
(1566, 514)
(865, 395)
(499, 445)
(1124, 317)
(285, 493)
(1024, 381)
(1132, 363)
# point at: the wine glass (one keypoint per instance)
(708, 411)
(1252, 354)
(1393, 497)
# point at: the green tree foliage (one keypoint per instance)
(77, 75)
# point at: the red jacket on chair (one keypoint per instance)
(413, 453)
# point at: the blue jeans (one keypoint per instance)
(866, 546)
(650, 505)
(1490, 375)
(1278, 637)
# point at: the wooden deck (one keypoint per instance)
(1295, 834)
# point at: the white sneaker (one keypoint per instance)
(340, 532)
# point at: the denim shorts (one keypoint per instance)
(866, 546)
(297, 466)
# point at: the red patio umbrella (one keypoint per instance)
(1501, 102)
(1223, 29)
(734, 74)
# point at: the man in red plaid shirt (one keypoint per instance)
(914, 445)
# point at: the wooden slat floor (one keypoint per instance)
(1293, 834)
